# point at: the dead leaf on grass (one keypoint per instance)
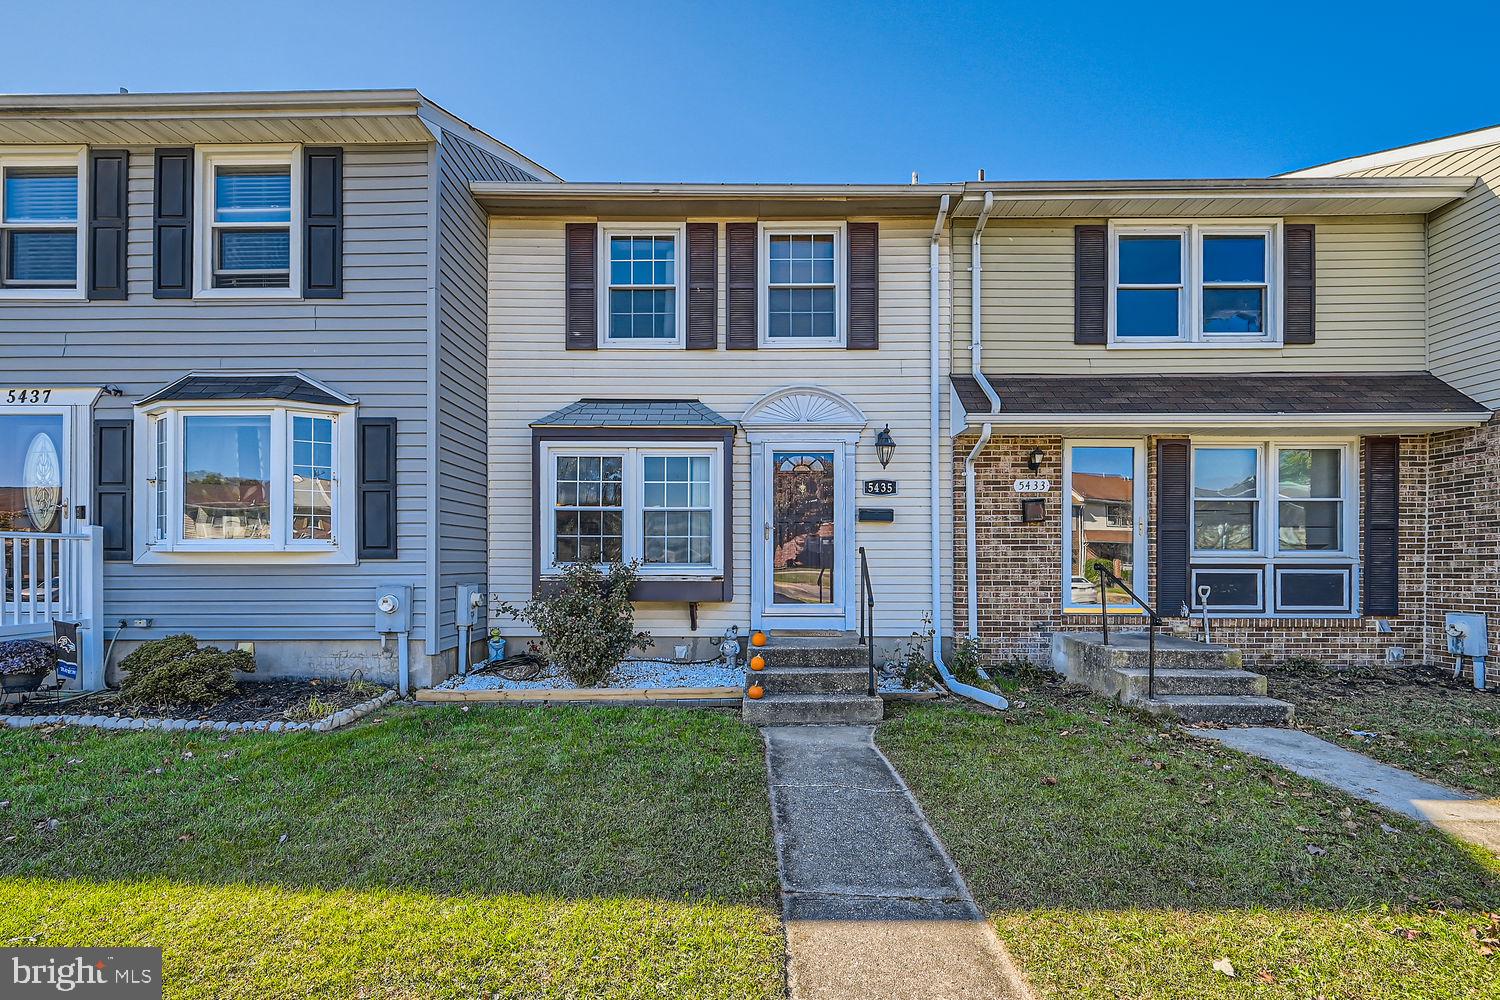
(1407, 934)
(1048, 779)
(1225, 966)
(1316, 851)
(1265, 977)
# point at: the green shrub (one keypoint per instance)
(175, 671)
(964, 660)
(587, 622)
(312, 710)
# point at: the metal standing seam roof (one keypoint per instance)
(634, 413)
(1385, 393)
(291, 386)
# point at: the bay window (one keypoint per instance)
(1194, 284)
(250, 479)
(1274, 527)
(41, 203)
(659, 504)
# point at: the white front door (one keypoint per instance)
(805, 536)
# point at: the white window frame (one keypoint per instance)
(633, 453)
(678, 232)
(1140, 543)
(55, 156)
(206, 159)
(1347, 572)
(170, 416)
(1268, 554)
(1190, 333)
(839, 232)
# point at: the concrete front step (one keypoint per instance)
(1133, 682)
(813, 680)
(813, 710)
(806, 653)
(1086, 650)
(1224, 709)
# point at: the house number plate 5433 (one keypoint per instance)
(1032, 485)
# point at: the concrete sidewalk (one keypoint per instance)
(873, 906)
(1456, 814)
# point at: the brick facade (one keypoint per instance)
(1449, 557)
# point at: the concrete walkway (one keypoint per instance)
(873, 905)
(1456, 814)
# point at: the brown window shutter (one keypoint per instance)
(1299, 266)
(1173, 489)
(582, 239)
(863, 275)
(1382, 524)
(740, 242)
(1090, 284)
(702, 286)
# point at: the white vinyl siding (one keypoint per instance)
(1371, 305)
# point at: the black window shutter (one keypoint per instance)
(377, 487)
(1173, 479)
(702, 286)
(582, 296)
(114, 445)
(740, 243)
(863, 269)
(323, 223)
(172, 243)
(1382, 524)
(109, 222)
(1090, 284)
(1299, 268)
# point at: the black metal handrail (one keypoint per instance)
(1152, 618)
(867, 617)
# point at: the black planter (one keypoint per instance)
(20, 683)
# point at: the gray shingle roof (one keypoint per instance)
(291, 386)
(634, 413)
(1394, 392)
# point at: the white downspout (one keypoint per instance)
(976, 350)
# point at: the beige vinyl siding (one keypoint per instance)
(531, 375)
(371, 344)
(1370, 305)
(1463, 292)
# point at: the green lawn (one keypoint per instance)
(436, 853)
(1413, 717)
(1118, 858)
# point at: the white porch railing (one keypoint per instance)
(49, 577)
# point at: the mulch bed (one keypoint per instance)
(1312, 680)
(256, 701)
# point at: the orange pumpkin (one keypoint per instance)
(758, 639)
(756, 692)
(757, 662)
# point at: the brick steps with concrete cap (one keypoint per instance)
(812, 680)
(1195, 682)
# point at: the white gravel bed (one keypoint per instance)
(633, 674)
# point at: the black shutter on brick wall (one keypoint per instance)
(1090, 284)
(377, 487)
(1382, 525)
(1299, 267)
(1173, 478)
(113, 469)
(109, 223)
(702, 286)
(864, 286)
(582, 265)
(323, 223)
(172, 242)
(740, 243)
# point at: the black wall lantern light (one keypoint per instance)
(885, 446)
(1034, 460)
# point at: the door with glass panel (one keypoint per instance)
(803, 536)
(1104, 524)
(34, 472)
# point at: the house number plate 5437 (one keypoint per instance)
(27, 395)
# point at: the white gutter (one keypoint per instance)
(1368, 421)
(987, 698)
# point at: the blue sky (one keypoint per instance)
(826, 92)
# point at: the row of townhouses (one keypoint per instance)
(269, 357)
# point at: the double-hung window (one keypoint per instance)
(802, 285)
(1194, 284)
(660, 505)
(1275, 527)
(41, 203)
(231, 478)
(250, 237)
(642, 305)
